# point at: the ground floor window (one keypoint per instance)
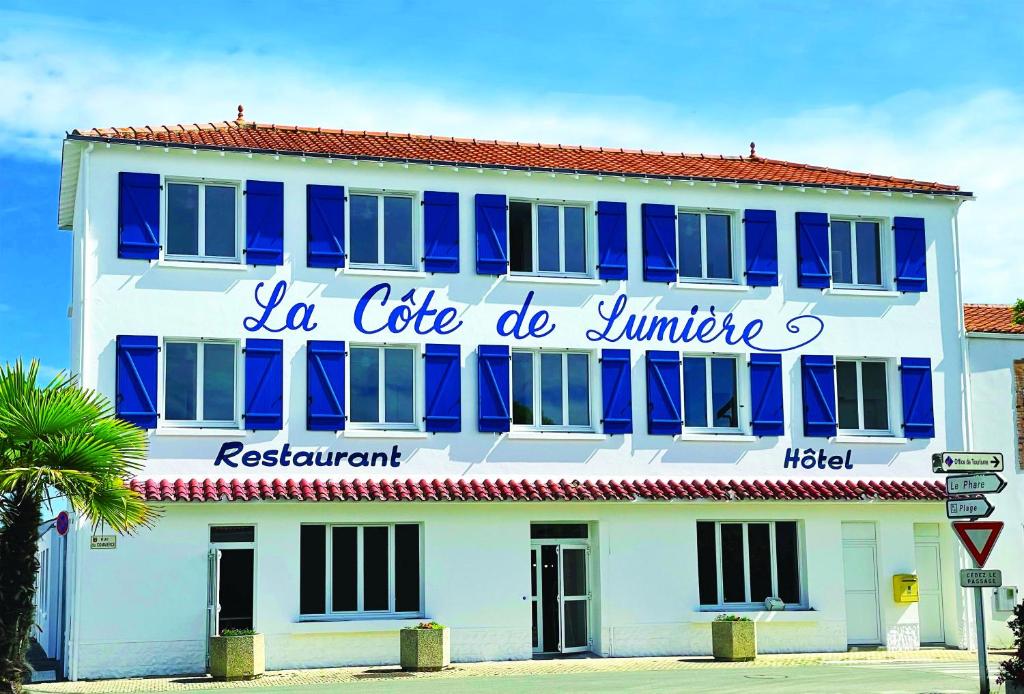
(745, 563)
(356, 569)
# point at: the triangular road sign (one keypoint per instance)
(978, 538)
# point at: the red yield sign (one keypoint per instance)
(978, 538)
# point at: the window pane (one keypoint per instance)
(760, 561)
(233, 533)
(734, 579)
(398, 405)
(407, 568)
(575, 239)
(575, 627)
(707, 564)
(522, 388)
(846, 394)
(520, 232)
(364, 372)
(547, 238)
(876, 403)
(842, 260)
(723, 392)
(695, 392)
(312, 569)
(344, 569)
(220, 221)
(719, 246)
(787, 563)
(398, 231)
(579, 389)
(375, 568)
(218, 382)
(689, 246)
(180, 380)
(574, 571)
(558, 531)
(182, 219)
(363, 234)
(869, 266)
(551, 389)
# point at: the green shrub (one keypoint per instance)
(238, 632)
(731, 618)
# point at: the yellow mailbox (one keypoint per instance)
(904, 588)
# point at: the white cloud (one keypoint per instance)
(53, 83)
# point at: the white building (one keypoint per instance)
(560, 399)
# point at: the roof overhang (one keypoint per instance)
(70, 164)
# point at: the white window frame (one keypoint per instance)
(200, 355)
(360, 581)
(890, 396)
(415, 224)
(734, 247)
(538, 397)
(201, 256)
(417, 379)
(883, 252)
(588, 260)
(747, 604)
(741, 394)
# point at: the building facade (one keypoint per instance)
(559, 399)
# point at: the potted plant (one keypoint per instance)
(425, 647)
(733, 638)
(237, 654)
(1011, 672)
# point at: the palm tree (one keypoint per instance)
(55, 440)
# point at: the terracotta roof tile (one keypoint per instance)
(991, 318)
(290, 139)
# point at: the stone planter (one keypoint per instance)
(733, 641)
(237, 657)
(425, 650)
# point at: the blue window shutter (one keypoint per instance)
(909, 244)
(264, 371)
(325, 385)
(611, 241)
(136, 370)
(264, 223)
(918, 410)
(814, 269)
(325, 226)
(616, 392)
(493, 366)
(659, 237)
(762, 248)
(442, 385)
(138, 216)
(440, 231)
(819, 395)
(491, 234)
(664, 394)
(766, 416)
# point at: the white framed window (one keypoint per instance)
(382, 387)
(863, 396)
(353, 570)
(551, 390)
(857, 252)
(380, 230)
(706, 246)
(201, 219)
(711, 393)
(740, 564)
(201, 379)
(549, 238)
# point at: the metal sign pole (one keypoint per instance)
(979, 623)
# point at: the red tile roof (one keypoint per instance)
(991, 318)
(290, 139)
(511, 490)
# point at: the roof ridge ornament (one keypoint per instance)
(241, 114)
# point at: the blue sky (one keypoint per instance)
(927, 90)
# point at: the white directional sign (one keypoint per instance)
(978, 483)
(963, 461)
(981, 578)
(968, 508)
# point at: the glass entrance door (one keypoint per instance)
(560, 597)
(574, 597)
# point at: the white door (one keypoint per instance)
(929, 585)
(860, 573)
(574, 597)
(42, 598)
(212, 597)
